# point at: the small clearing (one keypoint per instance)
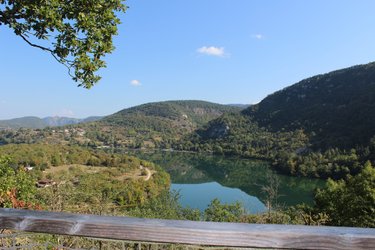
(88, 169)
(134, 174)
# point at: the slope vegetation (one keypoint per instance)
(336, 109)
(155, 124)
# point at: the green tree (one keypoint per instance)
(350, 202)
(219, 212)
(17, 188)
(79, 33)
(271, 191)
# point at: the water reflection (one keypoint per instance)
(205, 177)
(200, 196)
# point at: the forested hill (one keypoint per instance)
(145, 126)
(155, 124)
(337, 109)
(188, 114)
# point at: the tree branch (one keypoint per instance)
(49, 50)
(35, 45)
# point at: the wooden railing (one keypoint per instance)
(188, 232)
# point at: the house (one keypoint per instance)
(45, 183)
(28, 168)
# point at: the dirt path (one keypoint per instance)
(148, 176)
(88, 169)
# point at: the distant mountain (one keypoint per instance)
(39, 123)
(55, 121)
(23, 122)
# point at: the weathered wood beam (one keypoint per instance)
(189, 232)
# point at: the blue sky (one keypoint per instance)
(236, 51)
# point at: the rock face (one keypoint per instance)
(220, 130)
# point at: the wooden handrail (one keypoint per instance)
(188, 232)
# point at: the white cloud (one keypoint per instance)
(65, 113)
(135, 83)
(212, 51)
(258, 36)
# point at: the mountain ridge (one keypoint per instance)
(335, 108)
(35, 122)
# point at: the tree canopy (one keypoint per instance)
(17, 188)
(78, 33)
(350, 202)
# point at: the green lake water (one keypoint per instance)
(202, 178)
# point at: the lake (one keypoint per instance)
(201, 178)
